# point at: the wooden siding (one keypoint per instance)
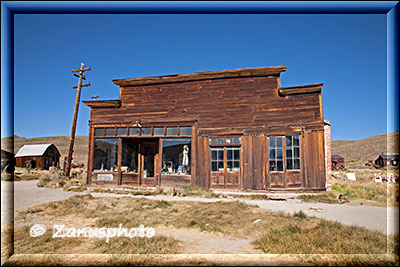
(250, 107)
(235, 102)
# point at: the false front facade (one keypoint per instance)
(234, 129)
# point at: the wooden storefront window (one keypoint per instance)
(185, 131)
(173, 131)
(217, 159)
(134, 131)
(110, 131)
(275, 154)
(98, 131)
(122, 131)
(293, 152)
(158, 131)
(146, 131)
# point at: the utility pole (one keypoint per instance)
(67, 168)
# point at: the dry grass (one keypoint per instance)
(361, 191)
(57, 179)
(272, 232)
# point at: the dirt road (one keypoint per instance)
(381, 219)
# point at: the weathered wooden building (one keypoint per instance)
(386, 160)
(337, 162)
(38, 156)
(233, 129)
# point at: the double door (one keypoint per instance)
(139, 161)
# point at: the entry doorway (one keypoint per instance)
(139, 161)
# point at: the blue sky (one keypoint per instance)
(345, 52)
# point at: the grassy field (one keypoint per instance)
(363, 191)
(273, 232)
(270, 232)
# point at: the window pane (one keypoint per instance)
(146, 131)
(176, 156)
(122, 131)
(288, 154)
(232, 141)
(297, 164)
(297, 152)
(289, 164)
(110, 131)
(279, 154)
(288, 141)
(236, 164)
(98, 131)
(296, 140)
(272, 142)
(214, 154)
(158, 131)
(272, 154)
(279, 164)
(130, 152)
(172, 131)
(279, 142)
(185, 131)
(272, 165)
(214, 167)
(105, 154)
(220, 154)
(229, 155)
(217, 141)
(229, 165)
(236, 155)
(134, 131)
(220, 166)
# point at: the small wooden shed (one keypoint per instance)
(38, 156)
(387, 160)
(337, 162)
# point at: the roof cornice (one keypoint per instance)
(206, 75)
(303, 89)
(103, 103)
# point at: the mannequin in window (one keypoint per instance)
(185, 158)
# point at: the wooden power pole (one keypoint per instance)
(67, 168)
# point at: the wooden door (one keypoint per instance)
(275, 162)
(148, 162)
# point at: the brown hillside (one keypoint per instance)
(356, 153)
(61, 142)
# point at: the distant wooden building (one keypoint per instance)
(337, 162)
(233, 129)
(7, 161)
(38, 156)
(385, 160)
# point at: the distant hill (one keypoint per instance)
(356, 153)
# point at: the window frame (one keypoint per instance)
(293, 157)
(284, 149)
(224, 148)
(276, 159)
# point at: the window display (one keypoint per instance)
(105, 154)
(176, 156)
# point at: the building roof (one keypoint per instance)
(33, 150)
(205, 75)
(389, 156)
